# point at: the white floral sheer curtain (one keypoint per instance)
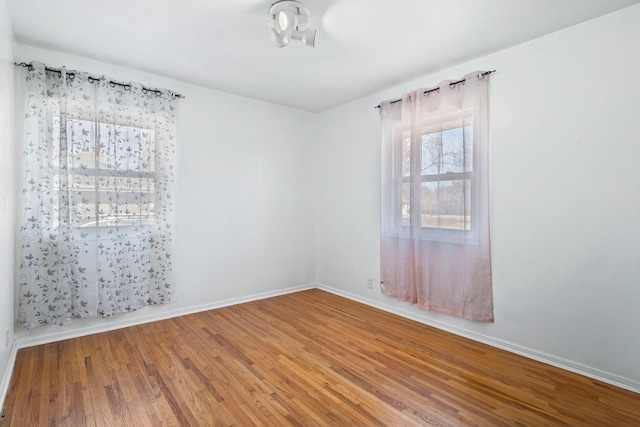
(435, 248)
(98, 198)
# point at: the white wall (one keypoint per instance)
(565, 191)
(246, 195)
(7, 195)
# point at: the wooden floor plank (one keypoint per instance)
(309, 358)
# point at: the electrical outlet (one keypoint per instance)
(370, 283)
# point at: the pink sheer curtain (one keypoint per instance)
(435, 248)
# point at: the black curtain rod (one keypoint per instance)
(93, 79)
(427, 92)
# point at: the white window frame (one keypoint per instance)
(51, 225)
(435, 234)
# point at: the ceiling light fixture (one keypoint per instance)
(287, 18)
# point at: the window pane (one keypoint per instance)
(431, 153)
(448, 151)
(81, 144)
(406, 205)
(120, 201)
(118, 147)
(82, 200)
(468, 148)
(126, 148)
(125, 200)
(406, 157)
(446, 204)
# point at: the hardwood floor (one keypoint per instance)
(304, 359)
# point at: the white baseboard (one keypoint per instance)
(530, 353)
(75, 332)
(6, 377)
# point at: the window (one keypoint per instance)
(109, 175)
(104, 175)
(440, 169)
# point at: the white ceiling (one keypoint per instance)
(362, 46)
